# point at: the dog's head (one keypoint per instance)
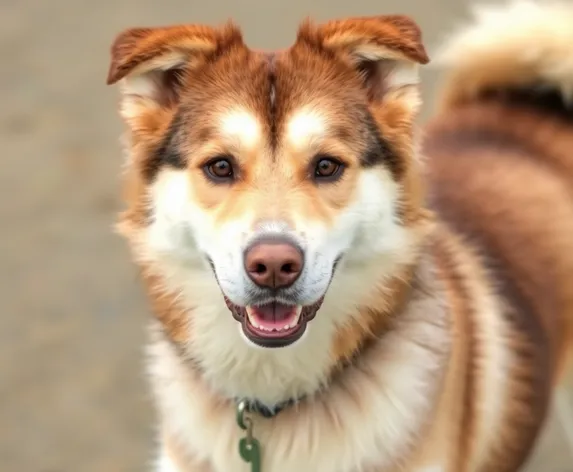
(286, 180)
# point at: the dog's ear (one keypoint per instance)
(385, 50)
(150, 63)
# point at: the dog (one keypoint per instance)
(334, 291)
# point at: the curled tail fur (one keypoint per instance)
(521, 45)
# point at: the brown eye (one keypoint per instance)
(327, 168)
(220, 169)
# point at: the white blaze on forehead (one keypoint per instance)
(305, 126)
(242, 126)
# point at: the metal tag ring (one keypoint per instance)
(243, 422)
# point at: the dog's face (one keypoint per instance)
(272, 176)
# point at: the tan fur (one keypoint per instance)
(446, 327)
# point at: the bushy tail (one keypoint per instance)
(523, 46)
(519, 45)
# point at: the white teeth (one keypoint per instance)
(297, 318)
(286, 327)
(252, 318)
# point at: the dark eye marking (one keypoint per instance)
(378, 150)
(166, 154)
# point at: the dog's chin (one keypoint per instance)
(274, 324)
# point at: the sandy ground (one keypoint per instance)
(73, 396)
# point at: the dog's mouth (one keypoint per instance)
(274, 324)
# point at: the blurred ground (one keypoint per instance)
(73, 396)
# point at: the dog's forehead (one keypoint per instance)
(279, 98)
(248, 129)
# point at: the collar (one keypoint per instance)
(256, 407)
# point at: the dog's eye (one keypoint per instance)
(220, 169)
(327, 168)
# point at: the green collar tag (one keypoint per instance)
(249, 447)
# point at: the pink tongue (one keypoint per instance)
(274, 312)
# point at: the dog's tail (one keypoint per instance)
(521, 50)
(521, 46)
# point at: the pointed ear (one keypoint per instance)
(150, 63)
(385, 50)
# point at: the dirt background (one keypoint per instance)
(73, 396)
